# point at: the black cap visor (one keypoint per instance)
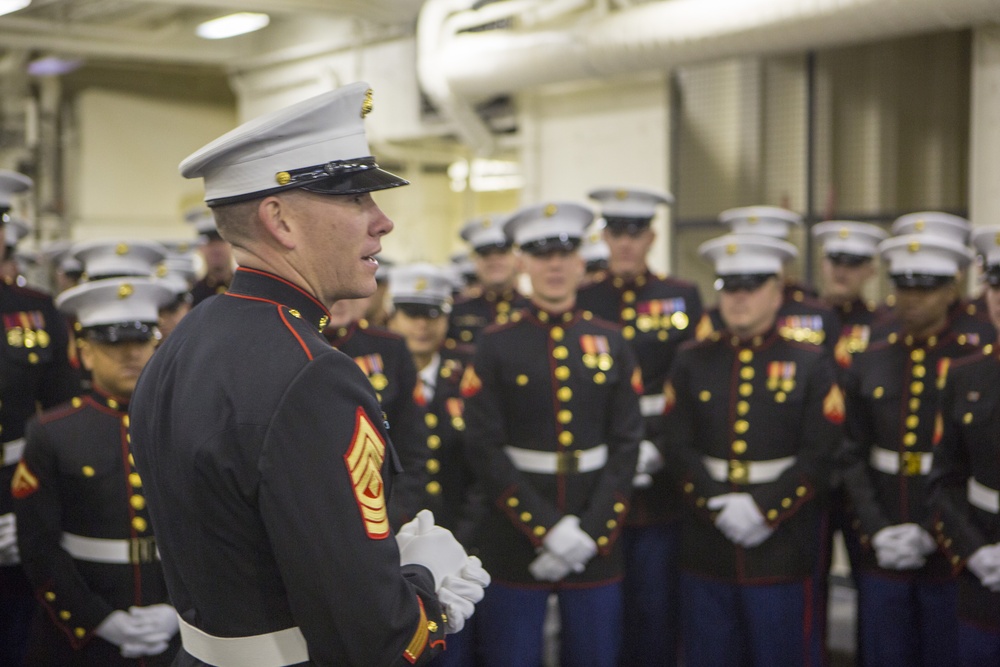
(618, 225)
(923, 281)
(746, 282)
(427, 310)
(121, 332)
(493, 248)
(550, 246)
(847, 259)
(341, 177)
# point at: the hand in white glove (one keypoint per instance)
(570, 542)
(650, 461)
(739, 519)
(985, 564)
(459, 593)
(8, 534)
(432, 546)
(901, 547)
(549, 567)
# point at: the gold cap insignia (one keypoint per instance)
(421, 284)
(753, 219)
(621, 194)
(121, 249)
(914, 246)
(125, 290)
(844, 232)
(731, 249)
(161, 271)
(283, 178)
(920, 225)
(486, 223)
(550, 210)
(366, 106)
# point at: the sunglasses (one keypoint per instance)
(745, 282)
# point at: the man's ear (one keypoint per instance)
(277, 216)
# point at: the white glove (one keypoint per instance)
(432, 546)
(459, 593)
(8, 538)
(985, 564)
(902, 547)
(549, 567)
(570, 542)
(650, 461)
(159, 621)
(740, 520)
(125, 629)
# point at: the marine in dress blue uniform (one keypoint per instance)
(494, 297)
(85, 535)
(34, 370)
(906, 591)
(217, 254)
(264, 447)
(752, 422)
(965, 479)
(657, 314)
(553, 428)
(420, 296)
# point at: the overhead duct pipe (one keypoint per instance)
(472, 66)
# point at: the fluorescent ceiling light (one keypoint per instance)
(232, 25)
(8, 6)
(53, 66)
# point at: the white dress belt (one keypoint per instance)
(983, 497)
(102, 550)
(652, 405)
(12, 451)
(892, 463)
(550, 463)
(274, 649)
(746, 472)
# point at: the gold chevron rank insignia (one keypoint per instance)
(833, 405)
(364, 463)
(24, 483)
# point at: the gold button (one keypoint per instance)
(746, 356)
(628, 314)
(76, 402)
(628, 296)
(560, 352)
(433, 466)
(628, 333)
(746, 389)
(742, 408)
(557, 333)
(50, 596)
(113, 404)
(688, 487)
(741, 426)
(914, 404)
(600, 378)
(433, 441)
(564, 394)
(125, 420)
(879, 392)
(513, 502)
(602, 541)
(131, 459)
(538, 531)
(662, 335)
(65, 615)
(562, 373)
(465, 335)
(967, 418)
(704, 395)
(910, 439)
(80, 633)
(432, 626)
(739, 446)
(564, 416)
(433, 488)
(912, 421)
(800, 491)
(32, 358)
(747, 372)
(138, 503)
(916, 388)
(566, 438)
(88, 471)
(772, 515)
(919, 371)
(431, 420)
(618, 508)
(780, 397)
(917, 355)
(139, 524)
(786, 502)
(611, 524)
(521, 380)
(526, 516)
(134, 480)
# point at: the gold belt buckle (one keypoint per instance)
(142, 550)
(911, 463)
(739, 472)
(568, 463)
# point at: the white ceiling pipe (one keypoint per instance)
(660, 35)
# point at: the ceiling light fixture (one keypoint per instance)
(8, 6)
(232, 25)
